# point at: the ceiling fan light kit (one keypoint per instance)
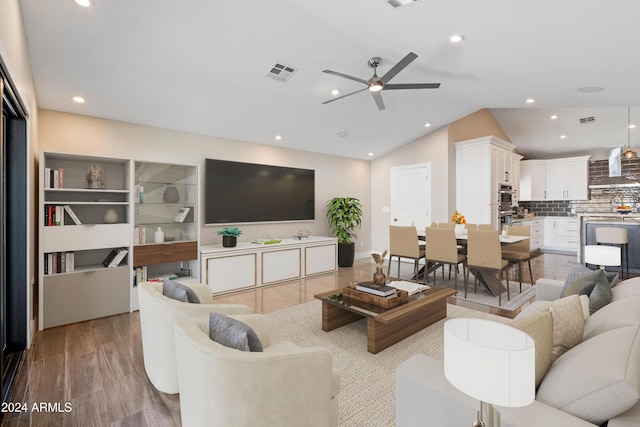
(377, 84)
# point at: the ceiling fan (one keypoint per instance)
(376, 84)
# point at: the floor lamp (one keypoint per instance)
(491, 362)
(602, 256)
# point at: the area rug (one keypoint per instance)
(483, 296)
(367, 381)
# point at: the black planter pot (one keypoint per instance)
(229, 241)
(346, 254)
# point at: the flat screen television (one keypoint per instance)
(237, 192)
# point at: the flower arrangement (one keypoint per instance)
(458, 218)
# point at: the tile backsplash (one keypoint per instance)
(600, 200)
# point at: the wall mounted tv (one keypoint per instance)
(238, 192)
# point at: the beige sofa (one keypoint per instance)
(594, 381)
(284, 385)
(157, 318)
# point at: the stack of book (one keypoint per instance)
(379, 290)
(115, 257)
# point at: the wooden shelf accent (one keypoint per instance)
(164, 252)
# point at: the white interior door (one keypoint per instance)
(411, 195)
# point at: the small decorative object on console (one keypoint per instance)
(230, 236)
(624, 209)
(379, 277)
(95, 176)
(303, 234)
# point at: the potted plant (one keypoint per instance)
(344, 215)
(230, 236)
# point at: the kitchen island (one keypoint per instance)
(631, 221)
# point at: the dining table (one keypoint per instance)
(487, 278)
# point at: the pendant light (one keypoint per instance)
(629, 153)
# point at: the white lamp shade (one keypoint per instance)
(606, 256)
(490, 361)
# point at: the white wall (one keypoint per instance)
(432, 148)
(335, 176)
(15, 54)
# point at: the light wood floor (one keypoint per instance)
(97, 368)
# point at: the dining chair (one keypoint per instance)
(442, 248)
(484, 253)
(520, 251)
(404, 243)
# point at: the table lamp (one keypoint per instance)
(602, 255)
(491, 362)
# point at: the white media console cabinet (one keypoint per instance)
(250, 264)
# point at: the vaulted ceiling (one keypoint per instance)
(200, 66)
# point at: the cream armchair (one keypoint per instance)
(157, 317)
(285, 385)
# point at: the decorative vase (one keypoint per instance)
(170, 194)
(379, 277)
(229, 241)
(110, 216)
(459, 228)
(95, 176)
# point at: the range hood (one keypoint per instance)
(615, 178)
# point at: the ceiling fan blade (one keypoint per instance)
(346, 76)
(377, 96)
(344, 96)
(412, 86)
(398, 67)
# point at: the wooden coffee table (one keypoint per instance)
(386, 327)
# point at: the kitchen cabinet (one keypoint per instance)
(555, 179)
(482, 164)
(533, 180)
(561, 234)
(515, 173)
(537, 233)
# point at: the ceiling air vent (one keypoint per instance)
(400, 3)
(280, 72)
(587, 120)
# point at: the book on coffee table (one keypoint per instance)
(410, 287)
(372, 288)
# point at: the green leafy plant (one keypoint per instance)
(344, 214)
(230, 231)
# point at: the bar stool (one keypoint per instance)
(615, 236)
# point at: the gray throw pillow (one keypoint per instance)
(601, 294)
(578, 271)
(233, 333)
(179, 292)
(582, 285)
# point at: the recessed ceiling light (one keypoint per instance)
(530, 101)
(343, 134)
(563, 136)
(78, 99)
(370, 154)
(335, 92)
(278, 137)
(632, 126)
(456, 38)
(83, 3)
(554, 117)
(590, 89)
(427, 125)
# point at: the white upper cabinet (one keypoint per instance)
(482, 164)
(555, 179)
